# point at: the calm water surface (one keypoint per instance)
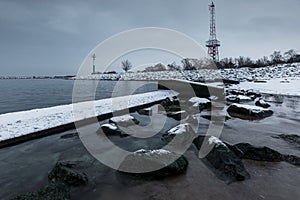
(26, 94)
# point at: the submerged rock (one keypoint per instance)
(293, 139)
(53, 191)
(248, 151)
(262, 103)
(222, 158)
(124, 120)
(65, 172)
(142, 162)
(248, 112)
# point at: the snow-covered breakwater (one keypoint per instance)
(17, 124)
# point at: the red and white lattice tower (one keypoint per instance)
(213, 44)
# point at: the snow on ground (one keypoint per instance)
(241, 74)
(25, 122)
(151, 152)
(273, 86)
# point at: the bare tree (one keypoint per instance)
(276, 58)
(290, 55)
(187, 65)
(126, 65)
(174, 66)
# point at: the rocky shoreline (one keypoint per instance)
(75, 171)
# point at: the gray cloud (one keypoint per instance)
(53, 37)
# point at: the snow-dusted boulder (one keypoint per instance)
(225, 161)
(262, 103)
(154, 163)
(124, 120)
(111, 129)
(248, 111)
(180, 135)
(232, 98)
(202, 103)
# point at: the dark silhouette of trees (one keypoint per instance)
(126, 65)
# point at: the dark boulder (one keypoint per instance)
(179, 115)
(124, 120)
(232, 98)
(65, 172)
(222, 158)
(248, 112)
(262, 103)
(153, 164)
(171, 105)
(248, 151)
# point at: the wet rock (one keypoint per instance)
(243, 98)
(179, 115)
(292, 139)
(124, 120)
(222, 158)
(251, 152)
(180, 135)
(160, 160)
(171, 105)
(235, 92)
(53, 191)
(202, 103)
(232, 98)
(253, 93)
(111, 129)
(262, 103)
(248, 112)
(65, 172)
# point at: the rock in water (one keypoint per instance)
(171, 105)
(180, 136)
(202, 103)
(264, 154)
(142, 162)
(124, 120)
(248, 112)
(222, 158)
(65, 172)
(262, 103)
(111, 129)
(179, 115)
(53, 191)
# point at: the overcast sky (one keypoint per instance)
(41, 37)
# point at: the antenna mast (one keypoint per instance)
(213, 44)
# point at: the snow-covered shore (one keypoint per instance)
(241, 74)
(17, 124)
